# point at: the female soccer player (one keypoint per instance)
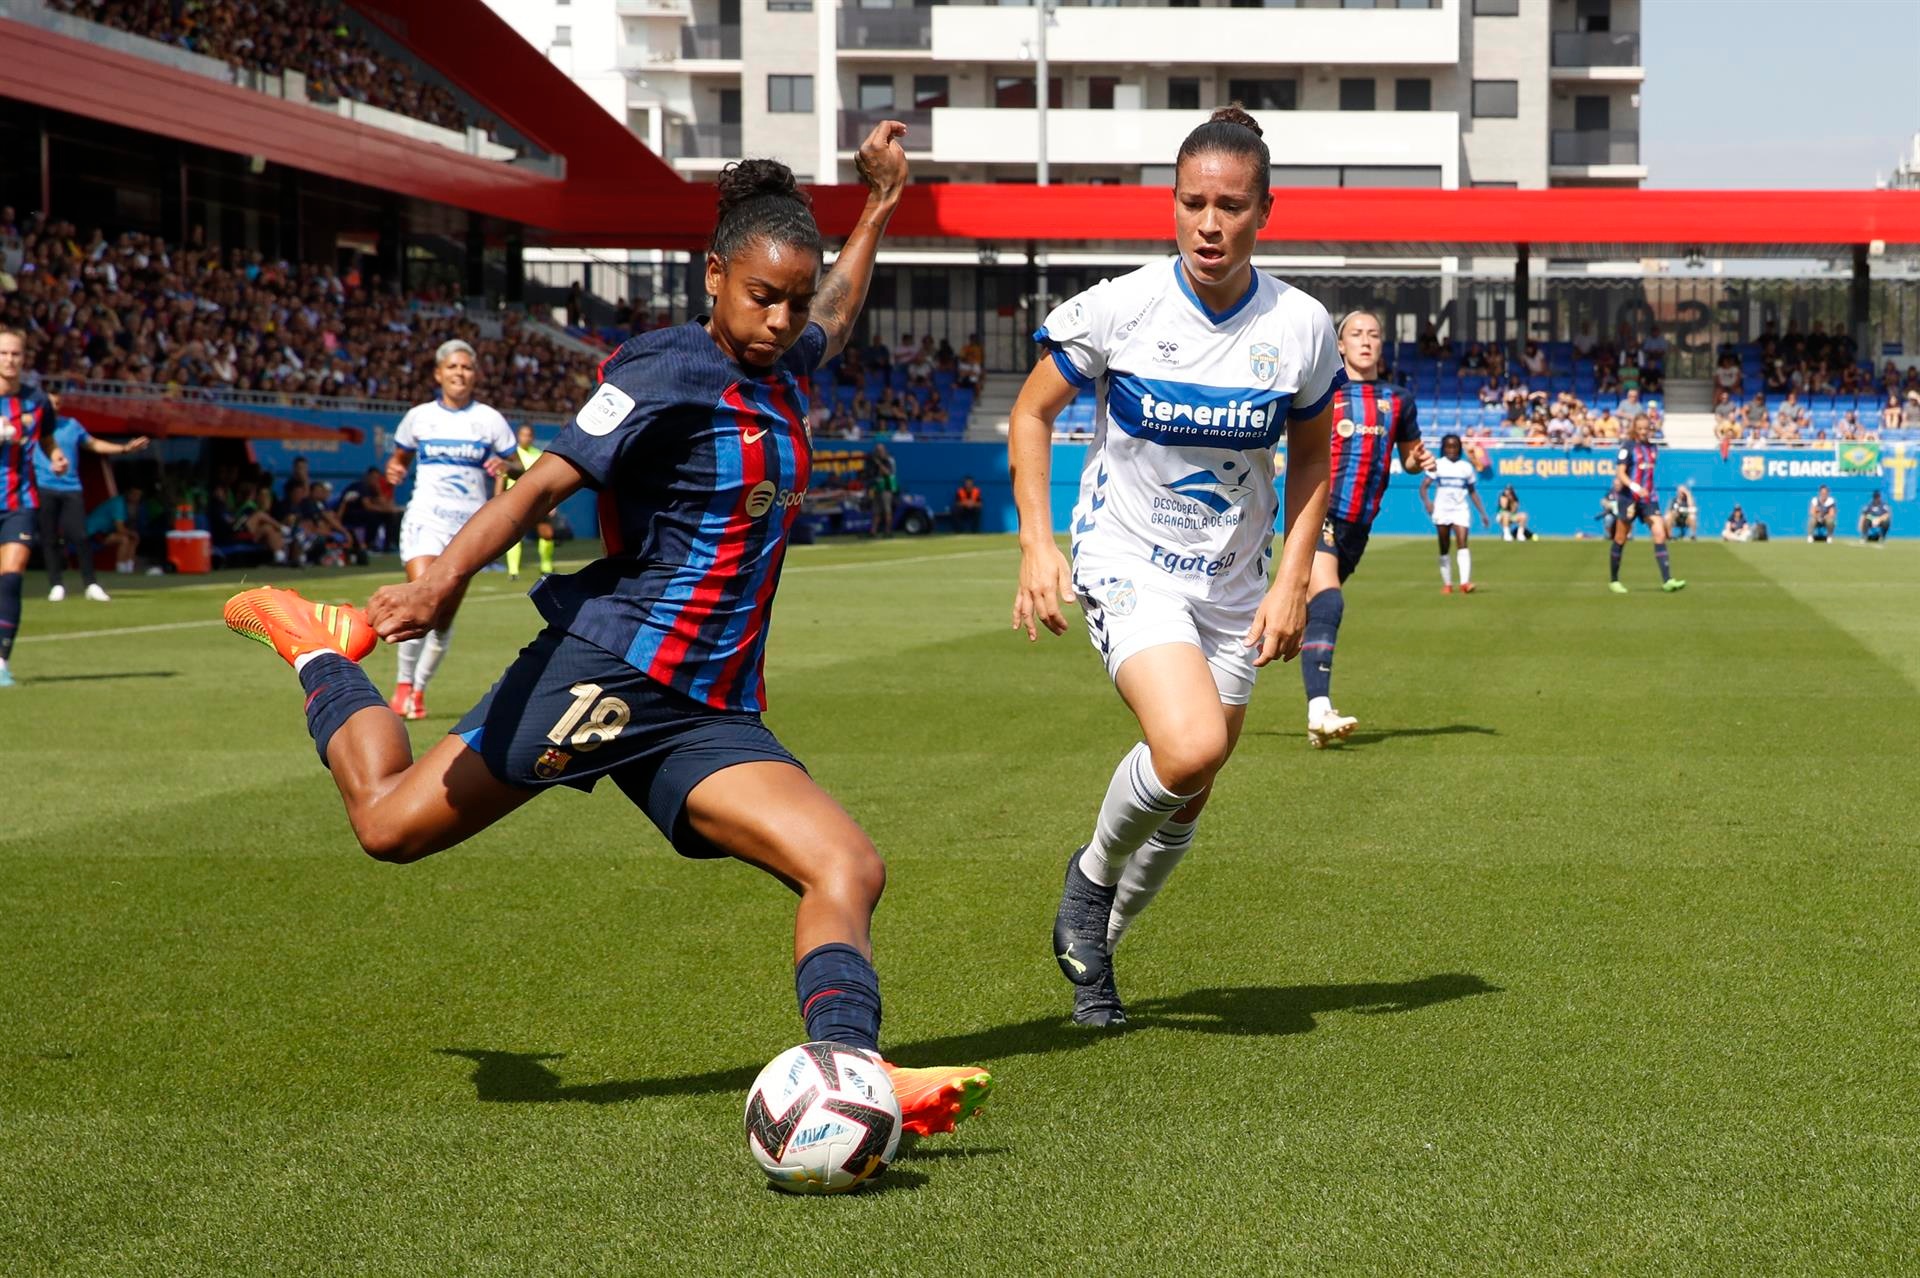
(464, 448)
(524, 456)
(1453, 475)
(649, 669)
(1374, 424)
(26, 443)
(1637, 498)
(1202, 364)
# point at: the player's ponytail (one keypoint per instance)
(1232, 131)
(759, 199)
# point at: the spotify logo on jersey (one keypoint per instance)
(765, 495)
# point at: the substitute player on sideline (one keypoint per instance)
(524, 456)
(1375, 424)
(1202, 364)
(1456, 481)
(463, 447)
(63, 506)
(26, 443)
(650, 669)
(1637, 498)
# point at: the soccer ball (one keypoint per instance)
(822, 1118)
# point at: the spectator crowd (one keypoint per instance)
(275, 36)
(134, 309)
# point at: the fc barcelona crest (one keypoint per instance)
(1264, 357)
(1753, 466)
(551, 764)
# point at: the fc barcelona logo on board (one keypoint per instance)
(1264, 359)
(1753, 466)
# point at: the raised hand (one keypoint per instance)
(882, 162)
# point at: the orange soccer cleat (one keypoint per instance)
(1466, 587)
(933, 1100)
(1446, 590)
(402, 698)
(293, 626)
(416, 704)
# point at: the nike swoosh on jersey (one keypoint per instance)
(754, 436)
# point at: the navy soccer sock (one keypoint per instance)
(1324, 612)
(10, 584)
(1666, 569)
(1613, 561)
(839, 995)
(337, 689)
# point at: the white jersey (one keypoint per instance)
(1454, 478)
(1179, 483)
(451, 448)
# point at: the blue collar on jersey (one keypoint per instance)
(441, 400)
(1213, 316)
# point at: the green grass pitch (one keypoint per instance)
(1594, 951)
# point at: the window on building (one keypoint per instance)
(1100, 92)
(789, 6)
(1356, 95)
(1593, 113)
(563, 37)
(1413, 95)
(1593, 15)
(875, 93)
(1497, 186)
(1264, 95)
(1305, 175)
(1390, 175)
(728, 105)
(1183, 94)
(1496, 99)
(929, 91)
(1496, 8)
(790, 94)
(1016, 92)
(1156, 175)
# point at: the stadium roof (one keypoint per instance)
(616, 192)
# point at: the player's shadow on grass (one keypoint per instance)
(1389, 734)
(97, 678)
(1251, 1010)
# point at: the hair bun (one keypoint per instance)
(1235, 114)
(745, 180)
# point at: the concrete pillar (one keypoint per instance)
(1860, 308)
(516, 267)
(1522, 299)
(476, 259)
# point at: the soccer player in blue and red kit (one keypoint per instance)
(1637, 498)
(26, 428)
(1375, 425)
(649, 669)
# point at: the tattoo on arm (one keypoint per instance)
(834, 308)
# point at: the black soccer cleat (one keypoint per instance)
(1080, 926)
(1099, 1005)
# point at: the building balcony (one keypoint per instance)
(855, 125)
(689, 141)
(1596, 48)
(1318, 140)
(710, 42)
(679, 10)
(1588, 147)
(1158, 34)
(886, 30)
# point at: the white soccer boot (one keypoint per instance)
(1330, 727)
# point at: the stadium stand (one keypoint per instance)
(275, 36)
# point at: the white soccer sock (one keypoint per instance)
(432, 647)
(1317, 706)
(1466, 564)
(1446, 572)
(1135, 806)
(409, 656)
(1146, 874)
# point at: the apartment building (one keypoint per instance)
(1418, 93)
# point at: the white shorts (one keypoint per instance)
(1128, 613)
(423, 534)
(1451, 516)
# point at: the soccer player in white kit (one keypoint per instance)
(463, 447)
(1455, 479)
(1201, 365)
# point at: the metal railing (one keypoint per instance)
(704, 142)
(713, 41)
(886, 28)
(1596, 48)
(230, 397)
(855, 125)
(1596, 146)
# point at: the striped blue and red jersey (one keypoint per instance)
(701, 465)
(26, 423)
(1370, 422)
(1639, 460)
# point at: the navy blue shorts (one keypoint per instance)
(22, 526)
(1346, 541)
(567, 712)
(1634, 510)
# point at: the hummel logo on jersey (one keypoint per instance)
(1166, 352)
(754, 436)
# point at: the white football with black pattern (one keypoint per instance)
(822, 1119)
